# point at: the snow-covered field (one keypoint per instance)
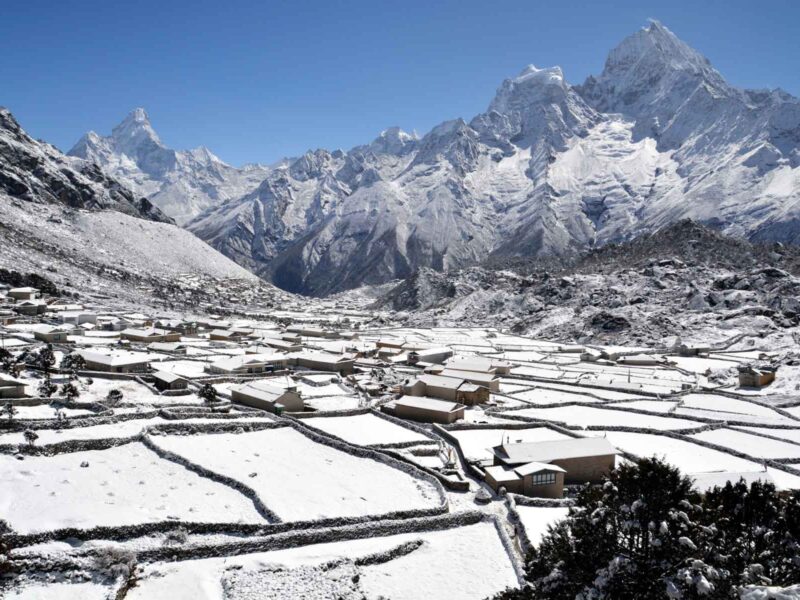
(124, 485)
(694, 459)
(583, 416)
(752, 445)
(474, 552)
(300, 479)
(365, 430)
(537, 519)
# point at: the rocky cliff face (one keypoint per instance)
(181, 183)
(36, 172)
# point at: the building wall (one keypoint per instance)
(339, 367)
(12, 391)
(291, 401)
(553, 490)
(514, 487)
(472, 398)
(591, 469)
(426, 415)
(443, 393)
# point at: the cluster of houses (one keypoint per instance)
(264, 366)
(440, 393)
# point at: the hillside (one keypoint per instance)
(685, 280)
(63, 217)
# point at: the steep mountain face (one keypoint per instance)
(181, 183)
(548, 169)
(36, 172)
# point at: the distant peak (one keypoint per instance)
(135, 128)
(657, 47)
(138, 115)
(547, 75)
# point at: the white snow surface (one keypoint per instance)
(300, 479)
(124, 485)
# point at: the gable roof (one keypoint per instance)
(545, 452)
(167, 377)
(115, 359)
(438, 381)
(537, 467)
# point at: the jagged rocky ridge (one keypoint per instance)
(685, 281)
(181, 183)
(549, 169)
(35, 171)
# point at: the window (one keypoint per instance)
(544, 478)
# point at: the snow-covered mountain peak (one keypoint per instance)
(182, 183)
(656, 47)
(530, 88)
(134, 131)
(394, 141)
(545, 76)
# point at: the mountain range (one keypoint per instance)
(550, 168)
(182, 183)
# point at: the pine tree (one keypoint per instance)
(208, 393)
(646, 534)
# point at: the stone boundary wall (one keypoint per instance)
(286, 530)
(644, 395)
(705, 422)
(235, 484)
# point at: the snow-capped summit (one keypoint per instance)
(38, 173)
(182, 183)
(394, 141)
(657, 45)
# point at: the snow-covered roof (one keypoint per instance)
(548, 451)
(442, 382)
(537, 467)
(115, 359)
(167, 377)
(500, 474)
(427, 403)
(8, 381)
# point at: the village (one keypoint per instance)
(179, 453)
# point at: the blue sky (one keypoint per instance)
(260, 80)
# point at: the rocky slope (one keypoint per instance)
(62, 217)
(549, 169)
(181, 183)
(36, 172)
(685, 280)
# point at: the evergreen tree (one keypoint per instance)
(46, 387)
(30, 436)
(69, 392)
(646, 534)
(114, 396)
(208, 393)
(9, 411)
